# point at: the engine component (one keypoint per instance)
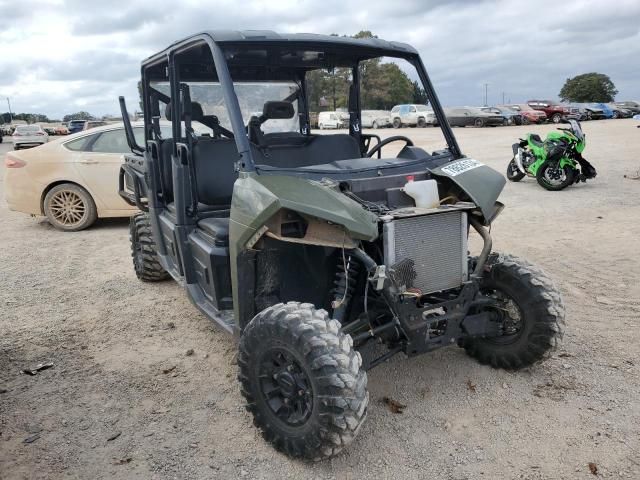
(437, 245)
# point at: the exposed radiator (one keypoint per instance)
(427, 252)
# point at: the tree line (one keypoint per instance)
(589, 87)
(40, 117)
(382, 85)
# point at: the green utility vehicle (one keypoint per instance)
(308, 246)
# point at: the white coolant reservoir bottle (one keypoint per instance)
(423, 192)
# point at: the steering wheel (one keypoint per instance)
(387, 141)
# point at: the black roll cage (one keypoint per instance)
(341, 49)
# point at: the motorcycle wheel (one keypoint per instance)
(555, 178)
(513, 173)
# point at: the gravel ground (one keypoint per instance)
(107, 409)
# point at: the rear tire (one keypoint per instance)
(478, 122)
(302, 380)
(536, 299)
(556, 118)
(541, 176)
(513, 172)
(375, 125)
(143, 250)
(525, 121)
(69, 207)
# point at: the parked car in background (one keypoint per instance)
(607, 112)
(72, 180)
(588, 111)
(555, 111)
(313, 119)
(75, 126)
(375, 118)
(472, 116)
(411, 115)
(330, 120)
(89, 124)
(62, 130)
(529, 115)
(511, 117)
(28, 136)
(634, 107)
(619, 112)
(574, 113)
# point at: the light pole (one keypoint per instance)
(10, 115)
(486, 90)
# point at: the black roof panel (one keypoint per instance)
(370, 47)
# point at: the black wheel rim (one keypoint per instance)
(513, 320)
(285, 387)
(554, 176)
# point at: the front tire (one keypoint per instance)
(535, 314)
(302, 380)
(69, 207)
(143, 250)
(556, 118)
(422, 123)
(374, 125)
(555, 178)
(478, 122)
(513, 172)
(397, 123)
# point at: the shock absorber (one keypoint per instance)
(344, 283)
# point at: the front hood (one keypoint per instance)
(270, 193)
(482, 183)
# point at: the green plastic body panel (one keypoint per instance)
(541, 154)
(256, 198)
(483, 185)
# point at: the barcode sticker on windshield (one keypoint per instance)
(461, 166)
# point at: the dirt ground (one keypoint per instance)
(106, 409)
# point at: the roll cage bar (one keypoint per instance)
(340, 52)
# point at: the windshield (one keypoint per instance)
(301, 111)
(252, 97)
(577, 129)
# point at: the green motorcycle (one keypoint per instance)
(556, 162)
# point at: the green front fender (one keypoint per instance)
(257, 198)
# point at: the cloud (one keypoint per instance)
(86, 53)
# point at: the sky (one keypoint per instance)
(62, 56)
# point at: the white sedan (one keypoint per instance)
(72, 180)
(29, 136)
